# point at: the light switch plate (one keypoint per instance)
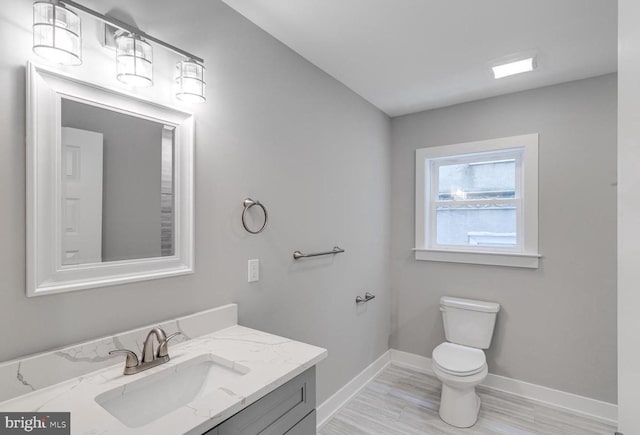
(254, 270)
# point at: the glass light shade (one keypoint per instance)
(56, 34)
(134, 59)
(190, 82)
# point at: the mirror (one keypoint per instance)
(117, 185)
(110, 181)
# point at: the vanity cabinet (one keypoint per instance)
(290, 409)
(306, 426)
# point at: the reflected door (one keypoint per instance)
(81, 196)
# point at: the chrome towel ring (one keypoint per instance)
(248, 203)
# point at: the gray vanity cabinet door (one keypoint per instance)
(277, 412)
(306, 426)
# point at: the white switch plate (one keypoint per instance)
(254, 270)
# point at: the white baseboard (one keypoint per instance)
(329, 407)
(592, 408)
(412, 361)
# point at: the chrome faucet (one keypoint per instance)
(149, 357)
(147, 349)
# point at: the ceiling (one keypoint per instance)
(406, 56)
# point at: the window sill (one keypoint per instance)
(531, 261)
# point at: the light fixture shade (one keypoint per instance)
(190, 82)
(56, 33)
(134, 58)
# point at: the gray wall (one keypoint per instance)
(132, 160)
(557, 326)
(275, 128)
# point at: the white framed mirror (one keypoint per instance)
(109, 186)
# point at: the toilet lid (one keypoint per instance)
(457, 359)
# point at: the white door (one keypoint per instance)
(81, 196)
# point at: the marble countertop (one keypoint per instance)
(272, 361)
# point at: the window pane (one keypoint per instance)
(488, 179)
(476, 225)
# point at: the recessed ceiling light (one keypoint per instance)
(511, 68)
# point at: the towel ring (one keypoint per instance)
(248, 203)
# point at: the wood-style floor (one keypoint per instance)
(403, 401)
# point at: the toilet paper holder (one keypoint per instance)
(367, 297)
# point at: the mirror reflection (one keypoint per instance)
(117, 187)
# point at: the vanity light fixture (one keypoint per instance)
(190, 81)
(56, 33)
(134, 60)
(515, 67)
(57, 37)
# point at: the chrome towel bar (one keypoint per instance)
(336, 250)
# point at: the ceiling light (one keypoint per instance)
(56, 33)
(134, 58)
(190, 82)
(511, 68)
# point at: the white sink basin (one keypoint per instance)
(145, 400)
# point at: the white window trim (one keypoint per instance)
(527, 256)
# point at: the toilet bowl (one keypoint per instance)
(460, 369)
(460, 363)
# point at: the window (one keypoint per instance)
(477, 202)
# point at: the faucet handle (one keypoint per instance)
(132, 358)
(163, 349)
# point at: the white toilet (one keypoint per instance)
(460, 362)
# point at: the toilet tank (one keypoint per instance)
(468, 322)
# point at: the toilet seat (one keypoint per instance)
(457, 360)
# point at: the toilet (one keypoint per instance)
(459, 363)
